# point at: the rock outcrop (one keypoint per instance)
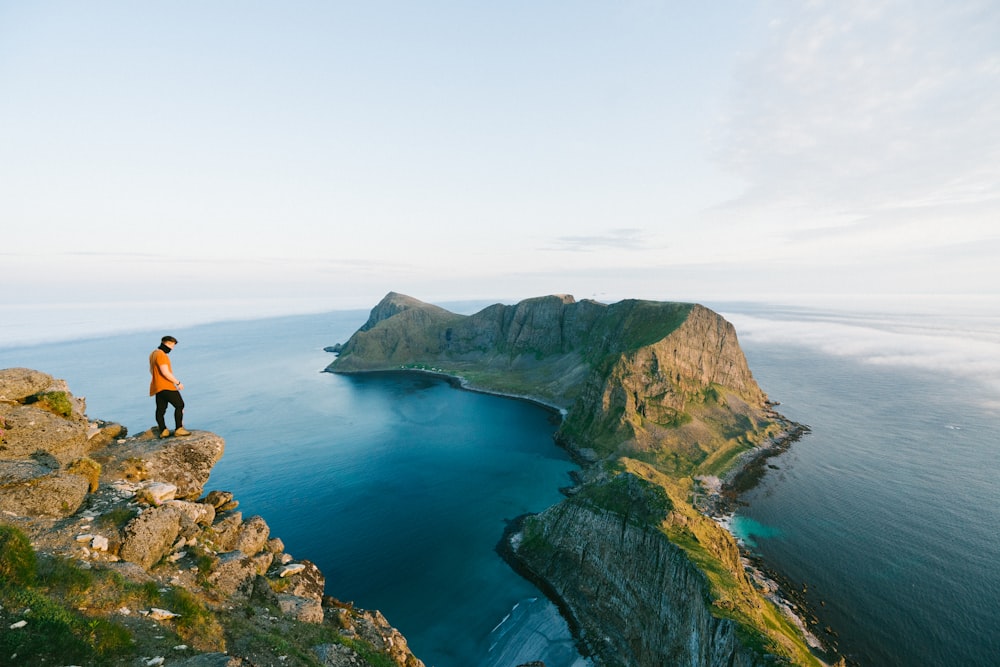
(87, 495)
(659, 404)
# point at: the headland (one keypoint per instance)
(661, 409)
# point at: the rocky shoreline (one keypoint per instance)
(660, 394)
(720, 502)
(178, 576)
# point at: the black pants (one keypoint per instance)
(172, 397)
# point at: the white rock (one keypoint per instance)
(125, 611)
(86, 537)
(99, 543)
(19, 624)
(158, 660)
(160, 492)
(181, 647)
(174, 557)
(286, 559)
(294, 568)
(161, 614)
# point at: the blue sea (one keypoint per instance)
(887, 514)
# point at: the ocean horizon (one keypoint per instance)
(886, 512)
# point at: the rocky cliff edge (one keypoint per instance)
(111, 553)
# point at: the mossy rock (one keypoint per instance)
(56, 402)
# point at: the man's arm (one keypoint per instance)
(165, 372)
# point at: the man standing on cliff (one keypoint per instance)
(166, 388)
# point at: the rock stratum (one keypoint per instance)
(661, 410)
(112, 554)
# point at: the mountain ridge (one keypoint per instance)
(660, 407)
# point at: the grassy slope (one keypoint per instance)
(708, 437)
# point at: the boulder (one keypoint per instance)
(150, 536)
(157, 493)
(30, 488)
(199, 513)
(16, 384)
(218, 499)
(252, 535)
(233, 575)
(301, 609)
(226, 530)
(308, 582)
(184, 462)
(28, 429)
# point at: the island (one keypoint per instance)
(662, 412)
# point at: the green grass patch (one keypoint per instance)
(18, 564)
(56, 402)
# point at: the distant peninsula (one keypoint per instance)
(662, 411)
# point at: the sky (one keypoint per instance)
(316, 155)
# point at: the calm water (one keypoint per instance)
(398, 486)
(889, 510)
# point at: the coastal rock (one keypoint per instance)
(199, 513)
(29, 429)
(657, 389)
(306, 610)
(307, 582)
(29, 488)
(149, 537)
(636, 596)
(226, 530)
(157, 493)
(170, 544)
(16, 384)
(233, 576)
(184, 462)
(252, 535)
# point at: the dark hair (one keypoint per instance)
(168, 339)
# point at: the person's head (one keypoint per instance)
(169, 341)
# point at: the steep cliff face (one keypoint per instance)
(656, 395)
(662, 393)
(637, 598)
(636, 374)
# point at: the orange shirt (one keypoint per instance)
(159, 383)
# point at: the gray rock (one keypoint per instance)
(225, 531)
(30, 429)
(30, 488)
(252, 535)
(338, 655)
(184, 462)
(302, 609)
(16, 384)
(308, 583)
(234, 575)
(150, 536)
(200, 513)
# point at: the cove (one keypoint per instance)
(400, 494)
(397, 486)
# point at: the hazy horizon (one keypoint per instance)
(325, 153)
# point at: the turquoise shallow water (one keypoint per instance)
(888, 512)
